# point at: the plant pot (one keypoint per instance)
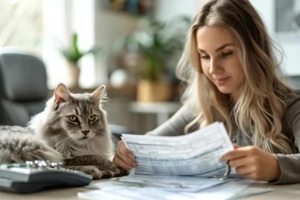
(149, 91)
(73, 74)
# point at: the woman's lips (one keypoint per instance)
(221, 81)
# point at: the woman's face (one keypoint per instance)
(219, 60)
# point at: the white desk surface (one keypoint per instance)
(288, 192)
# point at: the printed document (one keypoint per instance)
(169, 168)
(112, 191)
(197, 153)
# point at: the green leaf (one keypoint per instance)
(72, 53)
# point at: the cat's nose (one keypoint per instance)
(85, 132)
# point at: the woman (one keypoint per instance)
(231, 70)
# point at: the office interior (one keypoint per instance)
(43, 28)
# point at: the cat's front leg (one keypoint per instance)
(86, 160)
(107, 168)
(88, 169)
(110, 168)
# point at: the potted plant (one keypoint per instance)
(157, 43)
(73, 54)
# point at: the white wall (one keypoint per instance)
(290, 44)
(166, 9)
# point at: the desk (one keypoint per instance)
(289, 192)
(163, 110)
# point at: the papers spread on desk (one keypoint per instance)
(174, 168)
(197, 153)
(111, 190)
(177, 183)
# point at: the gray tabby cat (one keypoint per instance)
(72, 128)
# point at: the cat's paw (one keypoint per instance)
(113, 171)
(91, 170)
(94, 171)
(118, 171)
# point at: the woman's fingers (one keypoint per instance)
(244, 170)
(234, 154)
(235, 146)
(238, 162)
(123, 157)
(120, 162)
(252, 162)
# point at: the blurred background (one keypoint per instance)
(131, 46)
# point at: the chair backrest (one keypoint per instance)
(23, 87)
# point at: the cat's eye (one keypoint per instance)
(72, 118)
(92, 118)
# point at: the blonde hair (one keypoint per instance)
(261, 103)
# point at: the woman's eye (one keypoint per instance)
(224, 54)
(205, 57)
(92, 118)
(72, 118)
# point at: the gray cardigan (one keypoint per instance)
(289, 164)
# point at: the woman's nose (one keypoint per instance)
(214, 67)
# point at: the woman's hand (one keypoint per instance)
(253, 163)
(123, 157)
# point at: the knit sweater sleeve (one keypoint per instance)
(289, 164)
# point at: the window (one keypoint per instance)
(287, 19)
(21, 24)
(34, 26)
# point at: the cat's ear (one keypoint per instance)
(98, 94)
(61, 94)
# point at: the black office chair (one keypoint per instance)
(23, 86)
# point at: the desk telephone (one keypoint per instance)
(33, 176)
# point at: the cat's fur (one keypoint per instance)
(72, 128)
(18, 144)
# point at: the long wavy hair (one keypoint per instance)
(260, 106)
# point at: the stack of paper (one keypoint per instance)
(180, 167)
